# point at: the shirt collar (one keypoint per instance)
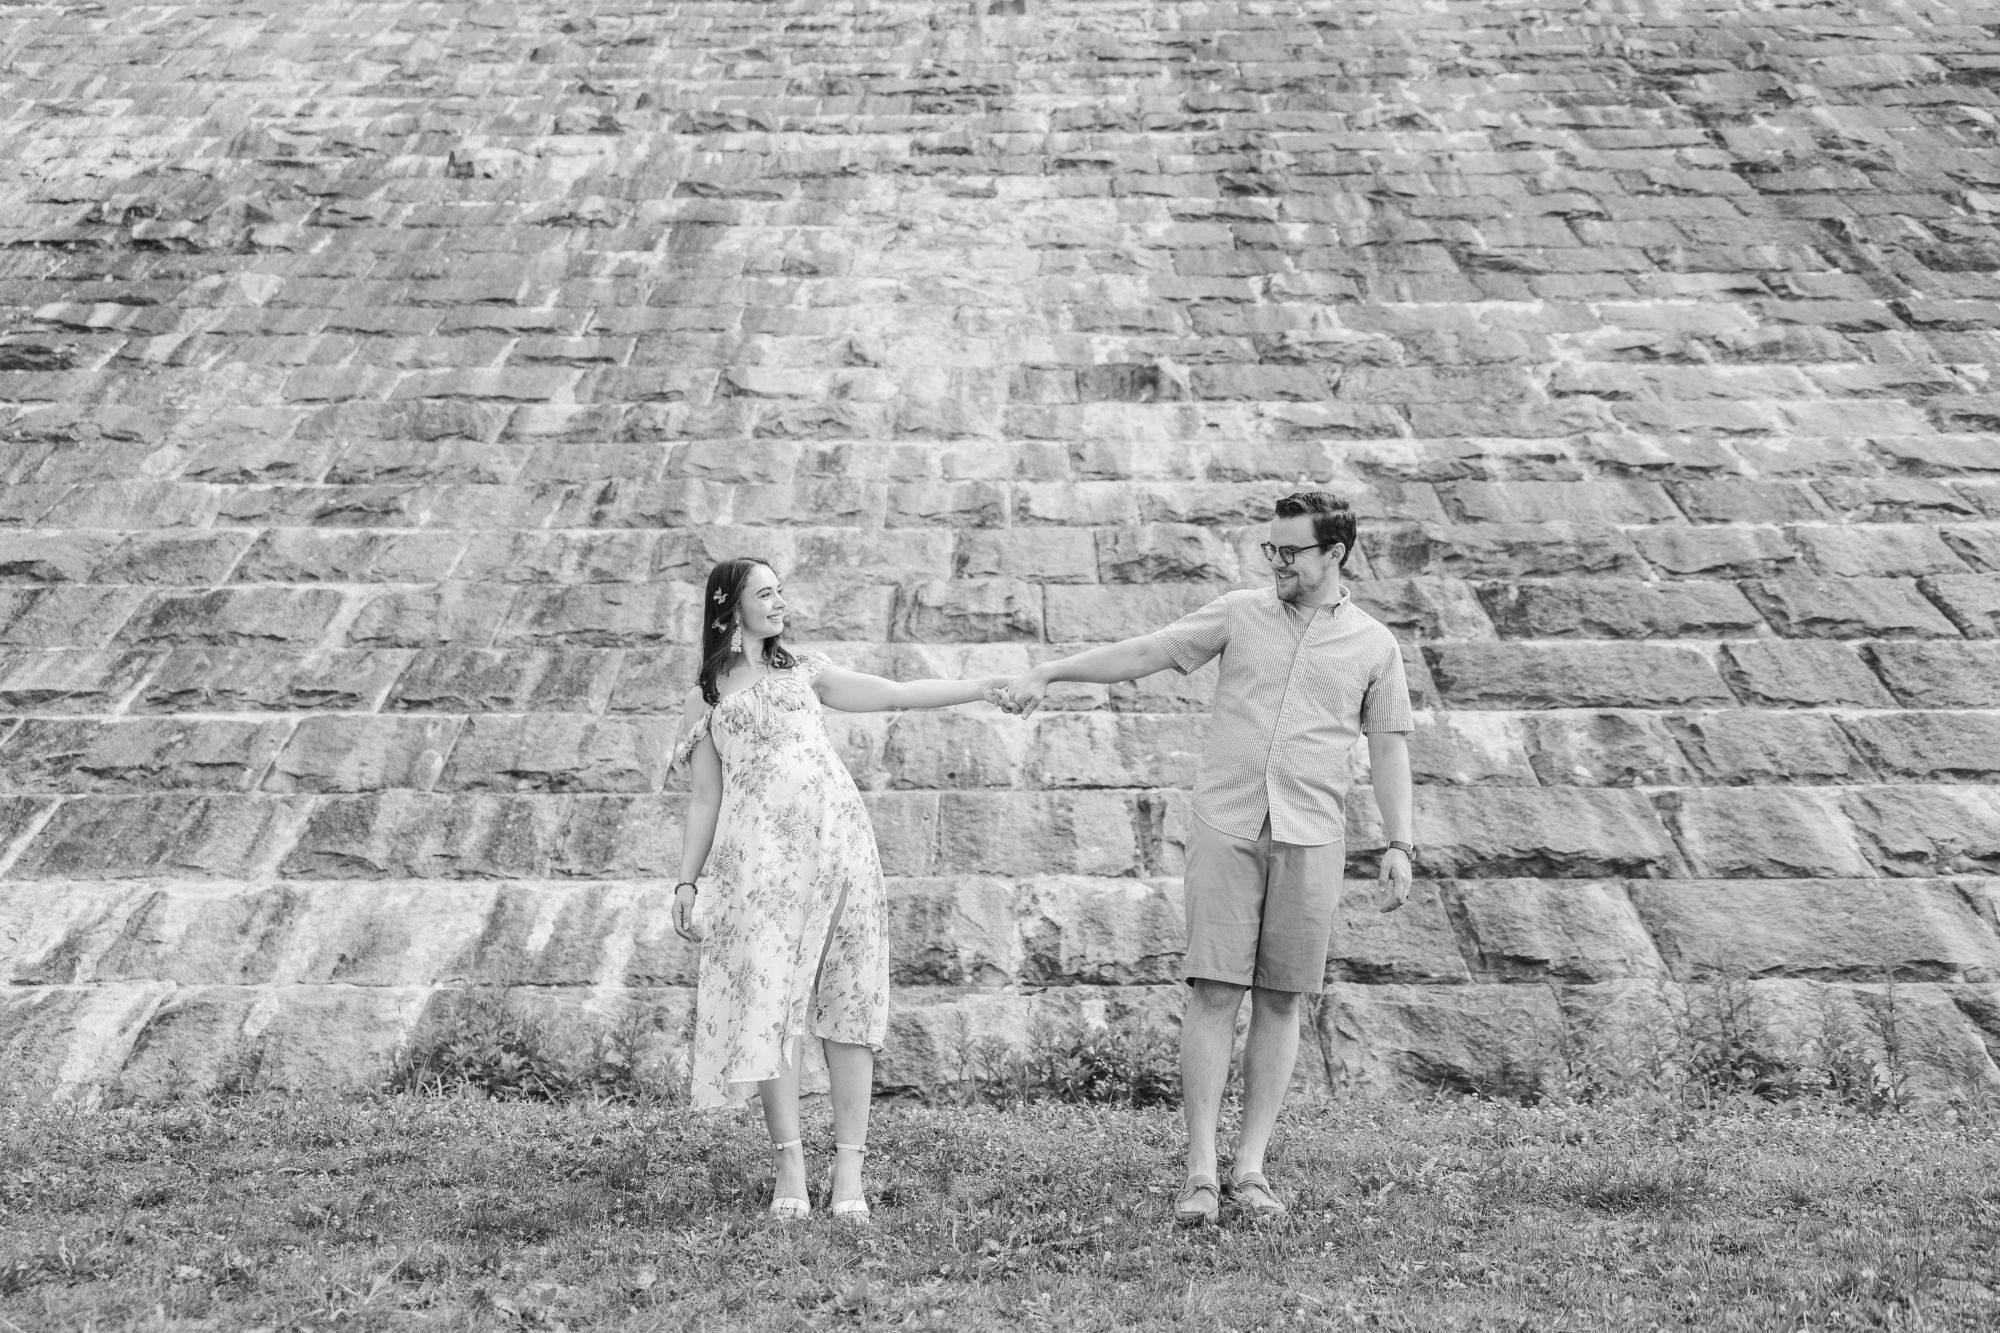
(1283, 607)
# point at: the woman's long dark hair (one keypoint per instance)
(718, 604)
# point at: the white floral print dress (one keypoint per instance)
(793, 870)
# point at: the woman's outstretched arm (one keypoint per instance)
(858, 692)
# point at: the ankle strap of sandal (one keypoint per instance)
(861, 1148)
(788, 1143)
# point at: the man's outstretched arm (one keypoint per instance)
(1127, 659)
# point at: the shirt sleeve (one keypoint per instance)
(1197, 637)
(1386, 706)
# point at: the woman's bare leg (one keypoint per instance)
(850, 1073)
(780, 1096)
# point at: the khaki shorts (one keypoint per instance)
(1259, 913)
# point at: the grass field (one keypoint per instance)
(412, 1212)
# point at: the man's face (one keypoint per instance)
(1303, 580)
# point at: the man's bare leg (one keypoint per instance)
(1268, 1056)
(1208, 1034)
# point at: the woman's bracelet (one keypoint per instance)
(686, 884)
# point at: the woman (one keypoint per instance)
(791, 915)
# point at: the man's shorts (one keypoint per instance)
(1259, 913)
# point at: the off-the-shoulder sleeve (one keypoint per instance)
(809, 665)
(691, 737)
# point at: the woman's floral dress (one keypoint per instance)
(793, 870)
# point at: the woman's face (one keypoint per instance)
(761, 607)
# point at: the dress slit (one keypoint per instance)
(825, 948)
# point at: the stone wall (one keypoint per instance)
(378, 380)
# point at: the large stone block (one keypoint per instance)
(555, 558)
(309, 555)
(1940, 675)
(52, 557)
(1617, 609)
(1099, 614)
(654, 680)
(1117, 932)
(1930, 747)
(1849, 608)
(1829, 929)
(1751, 832)
(1971, 600)
(174, 754)
(1738, 748)
(452, 614)
(184, 559)
(66, 616)
(186, 834)
(416, 835)
(560, 752)
(598, 615)
(1425, 607)
(72, 1041)
(272, 679)
(1401, 1040)
(1506, 550)
(1114, 750)
(1164, 552)
(70, 680)
(1577, 931)
(1555, 832)
(1610, 675)
(1802, 675)
(974, 609)
(955, 748)
(1612, 749)
(1038, 555)
(1467, 749)
(1884, 550)
(297, 1039)
(335, 753)
(39, 754)
(1414, 944)
(1735, 551)
(1927, 830)
(953, 932)
(1037, 833)
(936, 1034)
(505, 680)
(906, 831)
(238, 616)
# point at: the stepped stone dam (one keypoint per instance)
(379, 380)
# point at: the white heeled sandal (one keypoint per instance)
(785, 1206)
(852, 1210)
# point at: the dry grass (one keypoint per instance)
(398, 1213)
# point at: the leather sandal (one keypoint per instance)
(786, 1206)
(1199, 1203)
(848, 1210)
(1252, 1193)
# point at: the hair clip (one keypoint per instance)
(721, 622)
(720, 599)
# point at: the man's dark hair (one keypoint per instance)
(1332, 520)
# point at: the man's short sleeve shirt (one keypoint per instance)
(1289, 706)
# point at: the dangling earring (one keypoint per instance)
(736, 638)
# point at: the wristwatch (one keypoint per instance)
(1408, 849)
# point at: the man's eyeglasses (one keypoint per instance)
(1282, 556)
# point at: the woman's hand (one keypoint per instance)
(684, 914)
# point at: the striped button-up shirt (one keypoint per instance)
(1298, 688)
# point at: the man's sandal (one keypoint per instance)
(1200, 1201)
(1252, 1193)
(789, 1208)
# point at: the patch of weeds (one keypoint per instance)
(1622, 1185)
(482, 1043)
(1123, 1063)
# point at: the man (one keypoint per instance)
(1305, 673)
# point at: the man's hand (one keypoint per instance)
(684, 915)
(1024, 695)
(1395, 878)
